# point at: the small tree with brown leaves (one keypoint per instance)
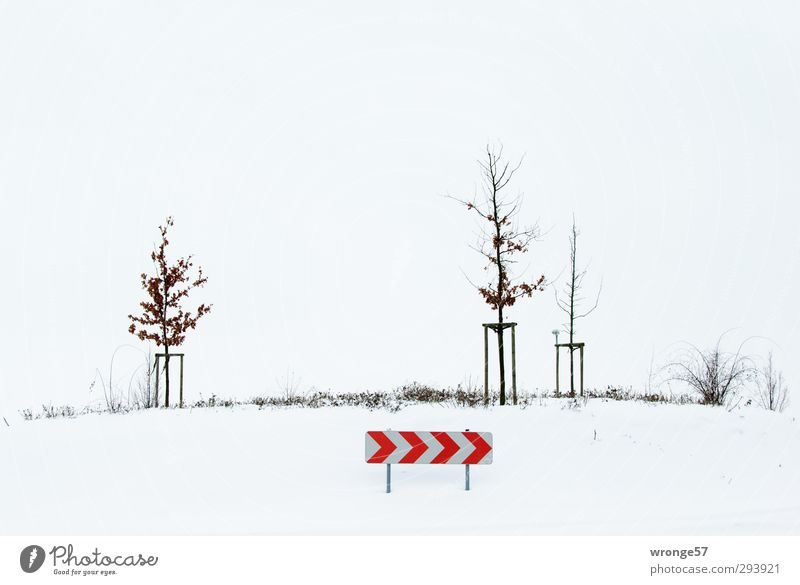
(500, 240)
(163, 319)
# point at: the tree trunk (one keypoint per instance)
(164, 340)
(572, 321)
(571, 369)
(166, 376)
(501, 355)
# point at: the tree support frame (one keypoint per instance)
(158, 369)
(499, 327)
(571, 347)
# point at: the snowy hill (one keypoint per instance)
(602, 468)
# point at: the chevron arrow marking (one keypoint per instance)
(481, 448)
(386, 447)
(428, 447)
(450, 447)
(417, 447)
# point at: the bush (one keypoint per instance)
(772, 392)
(399, 398)
(50, 411)
(713, 374)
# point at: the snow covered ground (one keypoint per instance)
(651, 469)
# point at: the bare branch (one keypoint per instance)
(596, 302)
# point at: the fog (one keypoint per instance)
(307, 152)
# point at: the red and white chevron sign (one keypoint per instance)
(462, 448)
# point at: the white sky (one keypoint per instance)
(305, 149)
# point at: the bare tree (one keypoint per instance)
(772, 391)
(500, 240)
(163, 319)
(573, 299)
(714, 374)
